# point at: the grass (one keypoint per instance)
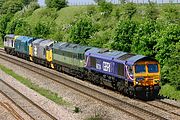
(67, 15)
(170, 91)
(44, 92)
(96, 117)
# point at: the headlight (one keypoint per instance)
(139, 78)
(156, 81)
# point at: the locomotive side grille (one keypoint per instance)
(126, 56)
(121, 69)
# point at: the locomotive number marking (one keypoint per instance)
(106, 66)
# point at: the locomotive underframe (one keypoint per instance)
(10, 50)
(42, 62)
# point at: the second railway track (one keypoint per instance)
(120, 104)
(9, 108)
(25, 104)
(165, 106)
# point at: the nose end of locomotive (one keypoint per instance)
(147, 92)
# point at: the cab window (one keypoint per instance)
(140, 68)
(152, 68)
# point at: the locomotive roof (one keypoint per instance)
(58, 45)
(69, 47)
(37, 41)
(10, 35)
(106, 53)
(24, 38)
(75, 48)
(46, 43)
(132, 60)
(118, 56)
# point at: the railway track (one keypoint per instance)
(25, 104)
(170, 108)
(132, 109)
(10, 109)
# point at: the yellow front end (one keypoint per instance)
(16, 37)
(147, 78)
(49, 57)
(30, 52)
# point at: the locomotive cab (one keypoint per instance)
(9, 41)
(147, 73)
(147, 77)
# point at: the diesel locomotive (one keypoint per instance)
(130, 74)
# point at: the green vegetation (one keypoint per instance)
(58, 4)
(149, 29)
(170, 91)
(1, 43)
(47, 93)
(77, 110)
(96, 117)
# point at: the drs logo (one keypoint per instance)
(106, 66)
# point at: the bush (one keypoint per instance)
(19, 27)
(43, 29)
(4, 20)
(123, 37)
(145, 38)
(11, 6)
(29, 9)
(27, 2)
(151, 11)
(82, 30)
(58, 4)
(129, 10)
(91, 9)
(171, 13)
(168, 54)
(105, 8)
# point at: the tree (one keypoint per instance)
(56, 3)
(105, 7)
(151, 11)
(3, 24)
(1, 3)
(99, 1)
(19, 26)
(168, 55)
(82, 30)
(145, 38)
(171, 13)
(11, 6)
(124, 35)
(129, 9)
(43, 29)
(27, 2)
(170, 71)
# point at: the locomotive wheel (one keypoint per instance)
(96, 80)
(114, 84)
(131, 92)
(120, 86)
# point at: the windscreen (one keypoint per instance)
(152, 68)
(140, 68)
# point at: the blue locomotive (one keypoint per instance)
(131, 74)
